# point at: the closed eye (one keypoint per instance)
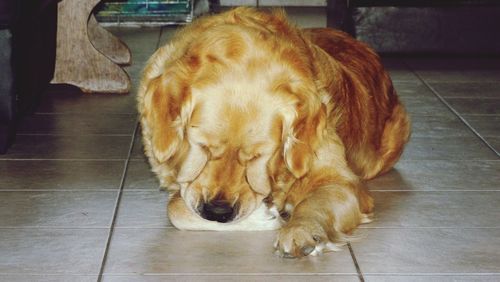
(255, 157)
(213, 152)
(205, 149)
(245, 157)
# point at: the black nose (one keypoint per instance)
(218, 210)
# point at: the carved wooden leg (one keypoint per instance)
(77, 60)
(108, 44)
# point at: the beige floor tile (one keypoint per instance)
(415, 90)
(440, 175)
(439, 126)
(60, 174)
(57, 209)
(102, 147)
(460, 76)
(166, 250)
(52, 251)
(447, 148)
(47, 278)
(475, 106)
(238, 278)
(79, 124)
(467, 90)
(67, 100)
(486, 126)
(436, 209)
(402, 74)
(432, 278)
(495, 143)
(456, 69)
(143, 209)
(416, 250)
(140, 176)
(138, 149)
(425, 106)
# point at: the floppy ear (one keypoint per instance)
(302, 139)
(257, 176)
(193, 164)
(165, 101)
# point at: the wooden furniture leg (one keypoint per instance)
(78, 62)
(108, 44)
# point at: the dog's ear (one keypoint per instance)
(166, 103)
(256, 175)
(302, 138)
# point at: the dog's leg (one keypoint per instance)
(322, 208)
(323, 219)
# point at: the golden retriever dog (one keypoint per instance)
(254, 124)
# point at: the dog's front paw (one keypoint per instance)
(303, 239)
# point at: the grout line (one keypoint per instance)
(482, 115)
(122, 181)
(474, 97)
(433, 274)
(429, 227)
(77, 113)
(449, 160)
(438, 190)
(440, 81)
(117, 204)
(358, 269)
(472, 159)
(75, 190)
(80, 114)
(232, 274)
(47, 159)
(452, 109)
(73, 275)
(74, 134)
(47, 227)
(145, 227)
(148, 190)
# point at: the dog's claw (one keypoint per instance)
(287, 255)
(308, 250)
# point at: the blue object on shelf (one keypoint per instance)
(147, 10)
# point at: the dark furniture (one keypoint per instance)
(27, 55)
(340, 12)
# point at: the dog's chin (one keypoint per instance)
(186, 217)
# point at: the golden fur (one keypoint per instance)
(246, 108)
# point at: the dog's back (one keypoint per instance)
(368, 116)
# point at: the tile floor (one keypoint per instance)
(78, 203)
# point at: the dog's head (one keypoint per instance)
(236, 109)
